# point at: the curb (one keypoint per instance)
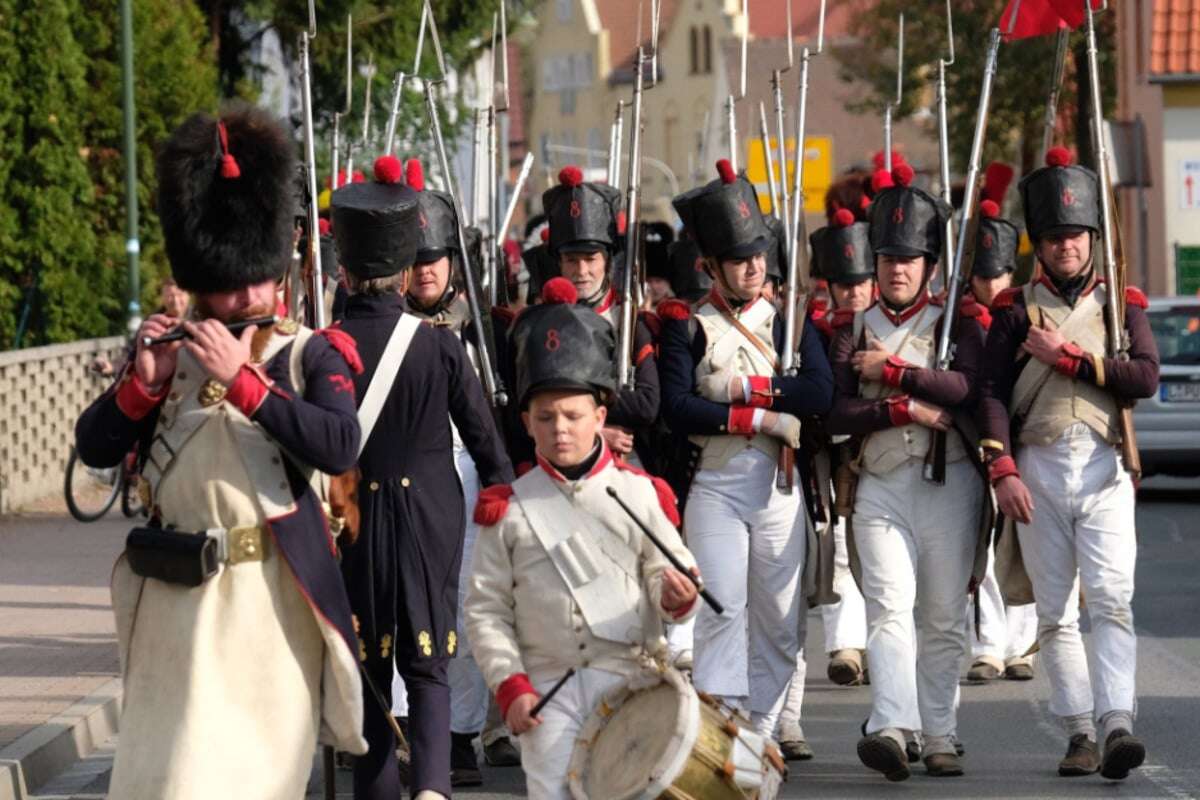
(54, 746)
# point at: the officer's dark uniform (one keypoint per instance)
(402, 572)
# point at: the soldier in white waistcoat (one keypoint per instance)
(913, 543)
(237, 646)
(563, 578)
(719, 371)
(1050, 391)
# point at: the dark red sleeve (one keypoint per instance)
(997, 375)
(957, 385)
(1137, 377)
(852, 414)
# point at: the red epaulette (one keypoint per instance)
(344, 343)
(1136, 297)
(492, 504)
(1006, 298)
(504, 314)
(666, 497)
(842, 317)
(653, 322)
(674, 309)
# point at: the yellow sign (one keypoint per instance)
(818, 170)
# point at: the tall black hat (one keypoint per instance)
(376, 223)
(584, 217)
(776, 256)
(226, 199)
(561, 345)
(996, 243)
(658, 238)
(1060, 196)
(724, 217)
(436, 221)
(842, 251)
(690, 281)
(906, 221)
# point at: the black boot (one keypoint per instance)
(464, 769)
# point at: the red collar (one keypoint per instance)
(609, 298)
(718, 300)
(906, 314)
(602, 462)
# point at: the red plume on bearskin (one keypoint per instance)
(560, 290)
(989, 209)
(414, 175)
(388, 169)
(1059, 157)
(903, 174)
(570, 175)
(725, 170)
(843, 218)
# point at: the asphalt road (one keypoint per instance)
(1012, 744)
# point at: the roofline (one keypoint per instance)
(1175, 77)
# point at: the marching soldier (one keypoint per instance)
(433, 295)
(528, 619)
(722, 388)
(1005, 633)
(237, 645)
(1049, 389)
(402, 571)
(907, 560)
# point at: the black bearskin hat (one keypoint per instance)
(906, 221)
(842, 251)
(226, 199)
(723, 216)
(376, 223)
(1060, 196)
(584, 217)
(996, 243)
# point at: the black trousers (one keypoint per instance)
(376, 774)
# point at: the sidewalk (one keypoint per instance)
(58, 652)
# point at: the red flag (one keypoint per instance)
(1042, 17)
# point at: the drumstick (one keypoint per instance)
(537, 709)
(666, 551)
(175, 334)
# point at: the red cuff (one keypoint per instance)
(646, 352)
(898, 410)
(893, 371)
(1002, 467)
(682, 611)
(248, 390)
(762, 394)
(513, 687)
(741, 419)
(133, 398)
(1071, 357)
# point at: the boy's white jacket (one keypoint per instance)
(521, 615)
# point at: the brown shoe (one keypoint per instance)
(985, 669)
(882, 754)
(1122, 752)
(1018, 671)
(943, 765)
(1082, 758)
(845, 668)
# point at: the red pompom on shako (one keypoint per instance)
(560, 290)
(414, 175)
(903, 174)
(725, 170)
(1058, 157)
(989, 209)
(358, 177)
(843, 218)
(324, 226)
(570, 175)
(882, 179)
(229, 165)
(388, 169)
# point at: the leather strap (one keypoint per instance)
(385, 375)
(767, 352)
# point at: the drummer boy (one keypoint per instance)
(563, 578)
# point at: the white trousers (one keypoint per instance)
(546, 750)
(1005, 632)
(1082, 532)
(468, 690)
(916, 544)
(791, 715)
(845, 621)
(749, 540)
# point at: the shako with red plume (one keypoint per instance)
(437, 220)
(724, 217)
(842, 250)
(996, 243)
(375, 222)
(583, 215)
(1060, 197)
(906, 221)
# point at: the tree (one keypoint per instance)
(12, 126)
(1022, 83)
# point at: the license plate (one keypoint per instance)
(1180, 393)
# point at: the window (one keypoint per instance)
(706, 64)
(693, 51)
(566, 102)
(565, 9)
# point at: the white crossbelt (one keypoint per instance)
(385, 375)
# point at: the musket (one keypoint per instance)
(964, 251)
(499, 269)
(1060, 67)
(398, 86)
(1117, 338)
(518, 187)
(337, 115)
(783, 210)
(944, 139)
(765, 135)
(732, 100)
(493, 384)
(795, 301)
(615, 137)
(310, 164)
(365, 139)
(891, 107)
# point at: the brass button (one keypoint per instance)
(405, 482)
(181, 376)
(374, 486)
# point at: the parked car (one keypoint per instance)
(1168, 424)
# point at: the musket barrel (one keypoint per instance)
(1050, 121)
(625, 332)
(948, 249)
(310, 161)
(765, 134)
